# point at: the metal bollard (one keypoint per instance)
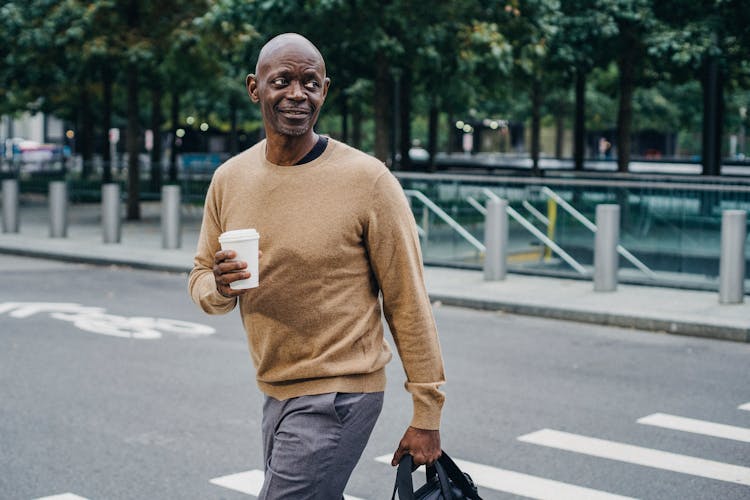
(171, 229)
(606, 260)
(732, 263)
(10, 206)
(58, 209)
(496, 240)
(111, 223)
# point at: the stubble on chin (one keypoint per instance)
(292, 131)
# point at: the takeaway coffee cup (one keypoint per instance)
(245, 243)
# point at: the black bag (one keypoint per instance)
(445, 481)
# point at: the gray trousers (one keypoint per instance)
(312, 443)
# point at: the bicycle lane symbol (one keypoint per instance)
(96, 320)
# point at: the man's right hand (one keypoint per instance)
(226, 271)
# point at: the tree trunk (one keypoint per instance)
(579, 130)
(404, 90)
(382, 107)
(559, 135)
(233, 146)
(156, 120)
(451, 134)
(356, 125)
(107, 124)
(395, 117)
(626, 61)
(86, 140)
(344, 118)
(133, 136)
(713, 104)
(134, 191)
(432, 133)
(536, 119)
(173, 151)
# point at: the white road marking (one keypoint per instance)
(95, 320)
(639, 455)
(746, 406)
(697, 426)
(523, 484)
(250, 483)
(63, 496)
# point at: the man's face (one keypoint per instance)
(290, 86)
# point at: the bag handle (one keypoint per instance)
(405, 486)
(458, 478)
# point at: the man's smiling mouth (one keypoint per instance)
(295, 112)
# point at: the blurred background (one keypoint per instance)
(635, 102)
(593, 79)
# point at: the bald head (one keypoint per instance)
(290, 84)
(284, 42)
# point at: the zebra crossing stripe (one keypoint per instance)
(62, 496)
(639, 455)
(746, 406)
(249, 482)
(697, 426)
(523, 484)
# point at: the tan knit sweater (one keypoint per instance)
(334, 233)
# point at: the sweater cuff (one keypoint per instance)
(428, 404)
(208, 297)
(220, 303)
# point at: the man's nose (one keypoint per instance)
(296, 91)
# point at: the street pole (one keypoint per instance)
(605, 248)
(496, 240)
(58, 209)
(111, 220)
(10, 206)
(170, 217)
(732, 263)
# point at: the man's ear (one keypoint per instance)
(326, 84)
(252, 87)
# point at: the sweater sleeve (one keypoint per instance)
(201, 282)
(396, 260)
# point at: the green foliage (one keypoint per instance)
(471, 55)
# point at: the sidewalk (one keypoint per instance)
(649, 308)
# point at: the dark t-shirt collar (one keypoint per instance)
(316, 151)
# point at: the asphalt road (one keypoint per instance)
(112, 386)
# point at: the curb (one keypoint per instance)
(703, 330)
(676, 327)
(96, 261)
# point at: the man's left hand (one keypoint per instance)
(423, 445)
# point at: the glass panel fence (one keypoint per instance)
(670, 230)
(670, 233)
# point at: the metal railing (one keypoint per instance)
(432, 206)
(531, 229)
(592, 227)
(672, 228)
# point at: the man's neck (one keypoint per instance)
(287, 150)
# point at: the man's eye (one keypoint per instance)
(312, 84)
(279, 81)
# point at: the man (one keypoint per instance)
(336, 232)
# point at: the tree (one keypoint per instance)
(710, 40)
(148, 26)
(47, 61)
(531, 28)
(635, 21)
(578, 49)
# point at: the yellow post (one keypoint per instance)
(552, 217)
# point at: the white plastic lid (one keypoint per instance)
(239, 235)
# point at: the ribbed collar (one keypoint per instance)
(294, 169)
